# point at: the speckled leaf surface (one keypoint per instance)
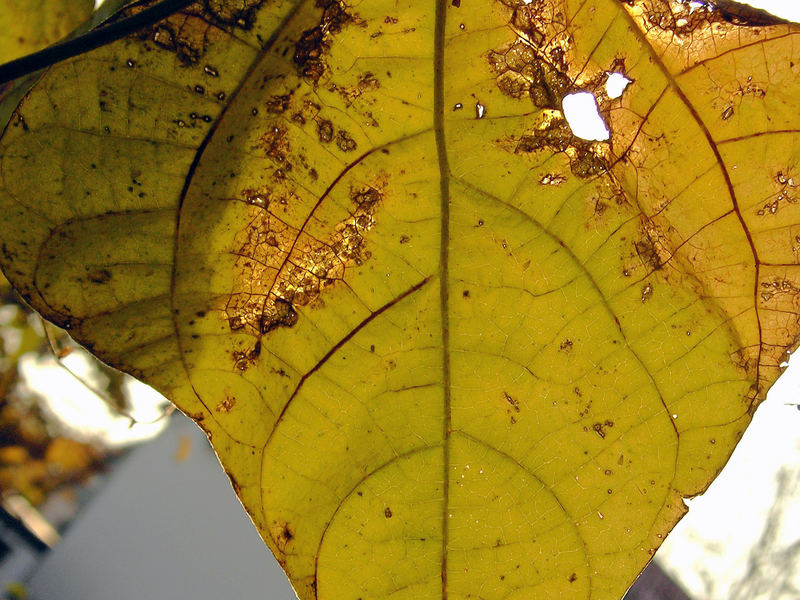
(443, 348)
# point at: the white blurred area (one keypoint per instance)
(81, 411)
(70, 390)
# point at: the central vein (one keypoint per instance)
(444, 190)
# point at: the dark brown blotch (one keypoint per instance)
(100, 276)
(324, 131)
(310, 49)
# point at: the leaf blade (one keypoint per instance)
(415, 314)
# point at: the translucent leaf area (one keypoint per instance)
(444, 347)
(30, 25)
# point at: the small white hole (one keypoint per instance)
(584, 119)
(616, 84)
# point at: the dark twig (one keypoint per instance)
(94, 39)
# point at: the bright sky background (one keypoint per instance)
(788, 9)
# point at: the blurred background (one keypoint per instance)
(103, 488)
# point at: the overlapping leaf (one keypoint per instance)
(443, 347)
(29, 25)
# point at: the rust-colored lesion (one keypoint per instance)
(552, 134)
(785, 194)
(314, 43)
(534, 63)
(226, 405)
(281, 268)
(537, 65)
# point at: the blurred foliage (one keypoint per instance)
(37, 457)
(16, 591)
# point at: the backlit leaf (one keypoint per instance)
(29, 25)
(443, 347)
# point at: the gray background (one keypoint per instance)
(162, 529)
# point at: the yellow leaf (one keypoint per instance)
(29, 25)
(14, 455)
(66, 455)
(443, 347)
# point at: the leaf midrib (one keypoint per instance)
(444, 247)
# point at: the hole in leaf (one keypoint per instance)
(616, 84)
(580, 110)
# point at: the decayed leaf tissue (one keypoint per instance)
(444, 347)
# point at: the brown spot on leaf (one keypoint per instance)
(282, 314)
(278, 104)
(534, 63)
(647, 291)
(652, 249)
(324, 130)
(684, 19)
(282, 534)
(100, 276)
(185, 33)
(275, 143)
(287, 533)
(514, 403)
(552, 179)
(366, 82)
(345, 142)
(727, 113)
(600, 428)
(226, 405)
(280, 268)
(310, 49)
(244, 360)
(587, 159)
(785, 194)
